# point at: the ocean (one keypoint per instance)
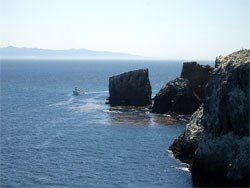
(50, 138)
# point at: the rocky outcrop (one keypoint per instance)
(177, 96)
(185, 145)
(130, 89)
(221, 157)
(198, 76)
(223, 152)
(183, 95)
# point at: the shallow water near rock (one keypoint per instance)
(50, 138)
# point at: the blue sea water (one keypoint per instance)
(49, 138)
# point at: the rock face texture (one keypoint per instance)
(177, 96)
(185, 145)
(198, 76)
(221, 157)
(183, 95)
(130, 89)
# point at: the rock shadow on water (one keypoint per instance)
(131, 115)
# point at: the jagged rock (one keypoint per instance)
(185, 145)
(130, 89)
(177, 96)
(198, 76)
(222, 154)
(180, 96)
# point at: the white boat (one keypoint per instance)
(78, 91)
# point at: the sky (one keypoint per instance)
(166, 29)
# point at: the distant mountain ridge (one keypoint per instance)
(15, 52)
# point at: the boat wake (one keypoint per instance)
(95, 92)
(89, 102)
(69, 101)
(87, 107)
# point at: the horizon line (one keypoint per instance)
(139, 57)
(105, 59)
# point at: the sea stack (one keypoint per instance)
(198, 76)
(130, 89)
(176, 96)
(185, 94)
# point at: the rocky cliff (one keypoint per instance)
(218, 134)
(185, 145)
(130, 89)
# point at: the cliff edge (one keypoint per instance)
(218, 134)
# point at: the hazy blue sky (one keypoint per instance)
(182, 29)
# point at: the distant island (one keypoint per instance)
(12, 52)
